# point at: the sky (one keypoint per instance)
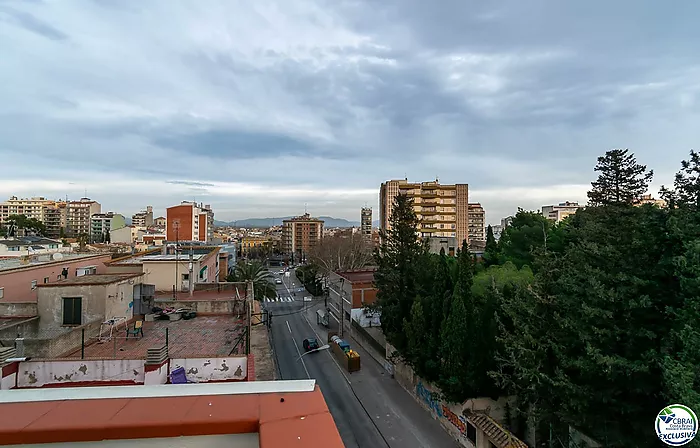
(262, 108)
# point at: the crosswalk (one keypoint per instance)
(280, 299)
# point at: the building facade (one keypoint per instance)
(442, 210)
(557, 213)
(477, 220)
(103, 223)
(79, 216)
(648, 199)
(366, 224)
(190, 221)
(144, 218)
(300, 235)
(160, 221)
(51, 213)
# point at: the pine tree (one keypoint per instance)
(686, 186)
(397, 260)
(621, 180)
(491, 251)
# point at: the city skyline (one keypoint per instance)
(258, 109)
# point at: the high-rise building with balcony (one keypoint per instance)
(558, 212)
(103, 223)
(300, 235)
(442, 210)
(144, 218)
(366, 224)
(79, 217)
(477, 218)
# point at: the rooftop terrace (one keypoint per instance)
(38, 260)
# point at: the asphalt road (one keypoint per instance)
(369, 408)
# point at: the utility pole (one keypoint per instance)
(191, 266)
(342, 299)
(176, 226)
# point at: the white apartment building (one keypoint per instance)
(557, 213)
(51, 213)
(103, 223)
(477, 219)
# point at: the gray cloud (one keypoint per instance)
(319, 102)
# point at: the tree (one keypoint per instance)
(397, 267)
(340, 253)
(686, 185)
(255, 272)
(491, 250)
(621, 180)
(107, 238)
(27, 224)
(527, 235)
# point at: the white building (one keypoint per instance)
(30, 245)
(103, 223)
(79, 216)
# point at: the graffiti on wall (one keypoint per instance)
(441, 410)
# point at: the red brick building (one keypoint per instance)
(189, 221)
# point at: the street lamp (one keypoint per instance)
(323, 347)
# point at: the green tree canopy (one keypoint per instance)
(254, 271)
(31, 225)
(621, 180)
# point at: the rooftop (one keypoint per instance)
(28, 241)
(38, 260)
(198, 337)
(95, 279)
(148, 258)
(280, 413)
(358, 276)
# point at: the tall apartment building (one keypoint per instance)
(366, 224)
(477, 219)
(51, 213)
(442, 210)
(558, 212)
(144, 218)
(103, 223)
(300, 235)
(79, 216)
(190, 221)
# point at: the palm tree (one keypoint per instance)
(254, 271)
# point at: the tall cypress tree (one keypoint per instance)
(491, 249)
(397, 260)
(621, 180)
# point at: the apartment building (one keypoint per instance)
(366, 223)
(144, 218)
(190, 221)
(161, 221)
(477, 219)
(442, 210)
(79, 216)
(51, 213)
(300, 235)
(648, 199)
(103, 223)
(557, 213)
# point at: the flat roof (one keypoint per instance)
(183, 258)
(94, 279)
(358, 276)
(204, 335)
(7, 264)
(280, 413)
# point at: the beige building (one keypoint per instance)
(366, 223)
(442, 210)
(79, 216)
(161, 222)
(163, 270)
(144, 218)
(127, 235)
(648, 199)
(51, 213)
(477, 219)
(300, 235)
(557, 213)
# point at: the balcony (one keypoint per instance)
(429, 194)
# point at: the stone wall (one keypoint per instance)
(18, 309)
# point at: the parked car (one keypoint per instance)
(278, 281)
(310, 344)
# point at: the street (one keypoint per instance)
(369, 408)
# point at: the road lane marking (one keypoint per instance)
(335, 361)
(298, 352)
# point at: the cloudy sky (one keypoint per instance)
(258, 107)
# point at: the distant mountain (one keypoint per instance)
(267, 222)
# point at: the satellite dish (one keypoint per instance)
(57, 256)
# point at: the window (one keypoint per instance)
(72, 310)
(471, 433)
(33, 284)
(46, 279)
(2, 293)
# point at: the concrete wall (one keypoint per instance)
(162, 273)
(18, 309)
(205, 306)
(202, 370)
(75, 372)
(124, 269)
(17, 283)
(50, 305)
(119, 301)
